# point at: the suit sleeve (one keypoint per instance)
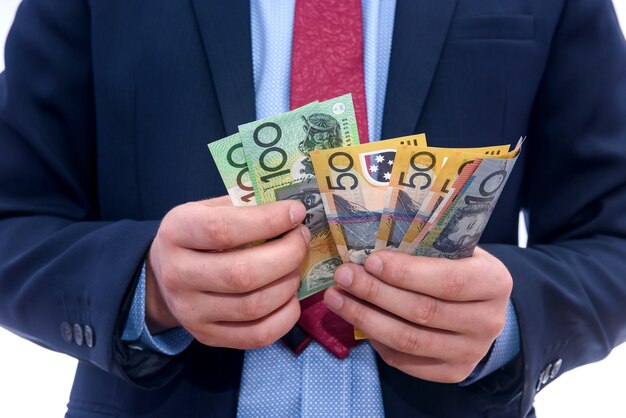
(570, 283)
(60, 263)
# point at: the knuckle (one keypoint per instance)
(405, 341)
(200, 335)
(200, 332)
(239, 276)
(168, 230)
(503, 283)
(213, 339)
(496, 325)
(300, 247)
(261, 338)
(169, 277)
(188, 318)
(272, 221)
(470, 354)
(294, 279)
(295, 252)
(404, 273)
(291, 261)
(505, 280)
(359, 315)
(372, 290)
(455, 374)
(294, 314)
(293, 311)
(219, 230)
(463, 372)
(252, 306)
(426, 311)
(391, 359)
(454, 284)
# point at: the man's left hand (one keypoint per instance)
(431, 318)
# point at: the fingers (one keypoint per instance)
(417, 308)
(218, 201)
(428, 353)
(219, 307)
(223, 294)
(238, 271)
(480, 277)
(253, 334)
(431, 369)
(393, 331)
(202, 226)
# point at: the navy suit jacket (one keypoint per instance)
(106, 108)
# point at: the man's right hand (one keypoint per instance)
(202, 274)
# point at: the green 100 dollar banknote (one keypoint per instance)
(353, 184)
(277, 151)
(230, 160)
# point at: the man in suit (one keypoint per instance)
(105, 106)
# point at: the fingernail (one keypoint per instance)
(343, 276)
(306, 234)
(333, 299)
(374, 264)
(297, 213)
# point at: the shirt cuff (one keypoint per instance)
(504, 349)
(136, 334)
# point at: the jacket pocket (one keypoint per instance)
(519, 27)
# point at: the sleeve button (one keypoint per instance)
(78, 334)
(89, 336)
(66, 332)
(545, 376)
(556, 367)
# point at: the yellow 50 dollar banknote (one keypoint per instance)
(353, 185)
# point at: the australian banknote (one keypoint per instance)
(415, 171)
(230, 160)
(277, 152)
(353, 184)
(454, 229)
(440, 191)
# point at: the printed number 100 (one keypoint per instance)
(270, 148)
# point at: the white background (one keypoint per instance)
(35, 382)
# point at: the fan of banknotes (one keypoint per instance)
(396, 194)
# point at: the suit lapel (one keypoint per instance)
(419, 35)
(225, 30)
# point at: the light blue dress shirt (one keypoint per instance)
(274, 381)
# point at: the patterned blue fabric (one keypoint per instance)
(274, 381)
(505, 348)
(272, 34)
(136, 333)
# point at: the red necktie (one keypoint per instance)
(326, 62)
(327, 55)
